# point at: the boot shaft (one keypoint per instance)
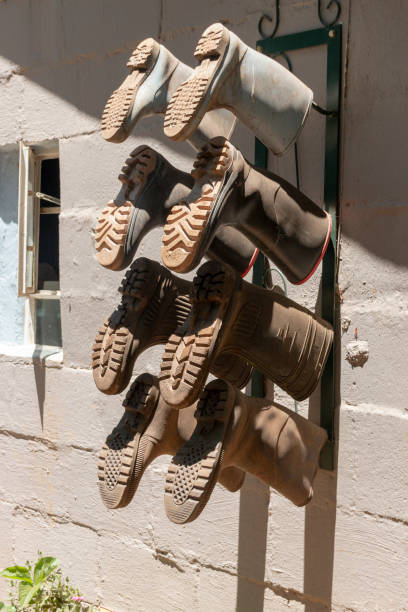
(284, 223)
(286, 342)
(279, 447)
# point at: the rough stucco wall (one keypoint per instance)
(252, 551)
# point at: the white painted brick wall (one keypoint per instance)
(251, 551)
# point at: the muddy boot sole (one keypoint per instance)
(191, 100)
(123, 336)
(119, 106)
(113, 226)
(124, 456)
(187, 231)
(190, 351)
(194, 470)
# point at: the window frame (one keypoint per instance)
(29, 211)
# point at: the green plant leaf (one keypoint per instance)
(29, 595)
(23, 589)
(17, 572)
(43, 568)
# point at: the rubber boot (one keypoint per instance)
(148, 428)
(154, 75)
(287, 343)
(154, 302)
(229, 192)
(151, 186)
(279, 447)
(264, 95)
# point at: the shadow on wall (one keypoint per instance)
(79, 54)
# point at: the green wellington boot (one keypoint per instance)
(279, 447)
(285, 342)
(151, 186)
(154, 303)
(230, 193)
(264, 95)
(148, 428)
(154, 75)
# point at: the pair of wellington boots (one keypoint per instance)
(285, 342)
(227, 435)
(154, 304)
(264, 95)
(148, 428)
(229, 192)
(151, 187)
(279, 447)
(223, 210)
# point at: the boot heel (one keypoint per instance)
(212, 43)
(121, 459)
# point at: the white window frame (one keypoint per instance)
(30, 159)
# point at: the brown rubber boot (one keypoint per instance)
(284, 341)
(151, 186)
(154, 303)
(279, 447)
(229, 192)
(148, 428)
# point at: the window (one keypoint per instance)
(38, 274)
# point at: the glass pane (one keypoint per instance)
(48, 322)
(50, 180)
(48, 253)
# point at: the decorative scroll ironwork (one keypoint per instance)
(331, 4)
(267, 17)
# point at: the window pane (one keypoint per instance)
(48, 322)
(48, 253)
(50, 181)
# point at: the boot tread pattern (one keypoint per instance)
(116, 473)
(139, 60)
(186, 222)
(193, 471)
(190, 95)
(186, 359)
(113, 224)
(114, 334)
(120, 103)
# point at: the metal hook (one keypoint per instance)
(329, 24)
(270, 19)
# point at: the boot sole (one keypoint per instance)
(118, 108)
(189, 352)
(122, 458)
(189, 102)
(117, 343)
(113, 226)
(188, 224)
(194, 470)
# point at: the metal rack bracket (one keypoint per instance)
(331, 38)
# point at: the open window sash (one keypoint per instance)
(27, 222)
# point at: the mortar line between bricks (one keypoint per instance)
(285, 593)
(374, 515)
(45, 441)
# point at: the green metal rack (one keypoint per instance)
(329, 36)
